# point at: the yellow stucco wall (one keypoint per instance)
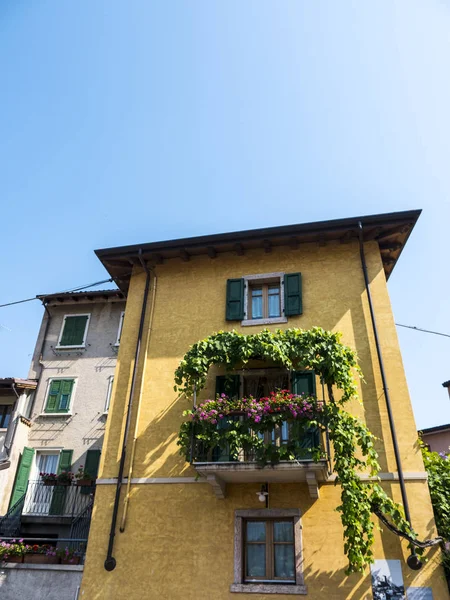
(178, 541)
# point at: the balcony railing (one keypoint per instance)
(221, 465)
(56, 500)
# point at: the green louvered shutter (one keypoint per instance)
(64, 395)
(53, 395)
(235, 300)
(229, 385)
(293, 304)
(304, 382)
(91, 467)
(60, 491)
(23, 474)
(73, 333)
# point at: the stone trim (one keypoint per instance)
(32, 567)
(263, 276)
(267, 588)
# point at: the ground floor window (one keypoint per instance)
(268, 552)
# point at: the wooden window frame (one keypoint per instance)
(86, 327)
(269, 543)
(119, 331)
(62, 413)
(263, 280)
(240, 585)
(264, 287)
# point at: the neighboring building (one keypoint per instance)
(183, 536)
(438, 438)
(16, 396)
(73, 362)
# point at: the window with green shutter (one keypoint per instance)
(73, 331)
(59, 395)
(235, 300)
(293, 304)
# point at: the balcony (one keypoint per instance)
(56, 502)
(219, 465)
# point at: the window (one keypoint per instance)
(73, 331)
(108, 393)
(59, 395)
(264, 299)
(5, 415)
(267, 552)
(119, 332)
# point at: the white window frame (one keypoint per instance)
(119, 331)
(267, 588)
(253, 279)
(109, 394)
(83, 344)
(69, 412)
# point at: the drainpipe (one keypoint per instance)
(413, 561)
(110, 562)
(138, 414)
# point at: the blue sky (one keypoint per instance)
(125, 122)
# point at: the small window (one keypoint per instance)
(73, 331)
(108, 393)
(268, 552)
(119, 331)
(59, 395)
(264, 301)
(5, 415)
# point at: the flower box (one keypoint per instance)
(14, 559)
(87, 482)
(41, 559)
(50, 482)
(75, 560)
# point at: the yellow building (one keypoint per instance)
(220, 525)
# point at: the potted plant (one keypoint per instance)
(12, 552)
(41, 555)
(82, 477)
(68, 556)
(64, 478)
(49, 478)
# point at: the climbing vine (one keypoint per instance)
(353, 444)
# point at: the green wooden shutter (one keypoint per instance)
(293, 294)
(73, 333)
(235, 300)
(304, 382)
(64, 395)
(65, 461)
(229, 385)
(60, 491)
(53, 394)
(91, 467)
(23, 473)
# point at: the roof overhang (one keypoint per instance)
(9, 383)
(82, 297)
(390, 230)
(437, 429)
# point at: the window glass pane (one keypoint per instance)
(283, 531)
(256, 531)
(284, 561)
(257, 303)
(256, 560)
(284, 431)
(274, 301)
(5, 415)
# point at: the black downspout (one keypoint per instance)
(413, 561)
(110, 562)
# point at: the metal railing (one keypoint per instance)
(11, 522)
(56, 500)
(279, 436)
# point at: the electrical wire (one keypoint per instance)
(423, 330)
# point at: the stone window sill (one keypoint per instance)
(274, 320)
(267, 588)
(46, 414)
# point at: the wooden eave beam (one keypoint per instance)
(212, 252)
(267, 245)
(239, 249)
(184, 255)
